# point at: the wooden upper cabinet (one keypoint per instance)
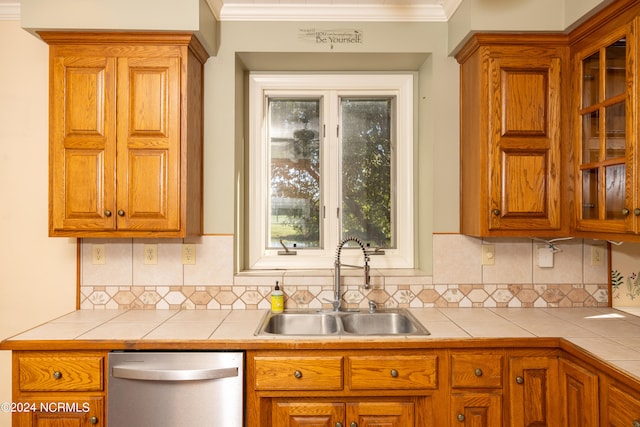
(125, 134)
(512, 170)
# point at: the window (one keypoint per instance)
(331, 156)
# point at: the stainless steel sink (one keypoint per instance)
(384, 322)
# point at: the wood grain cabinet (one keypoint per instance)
(58, 389)
(476, 388)
(125, 134)
(621, 405)
(532, 388)
(511, 136)
(579, 395)
(333, 389)
(605, 116)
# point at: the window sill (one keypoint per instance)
(324, 277)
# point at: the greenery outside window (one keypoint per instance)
(331, 156)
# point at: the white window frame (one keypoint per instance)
(263, 84)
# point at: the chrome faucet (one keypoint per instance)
(337, 294)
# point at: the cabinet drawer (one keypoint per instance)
(57, 372)
(476, 370)
(393, 372)
(298, 373)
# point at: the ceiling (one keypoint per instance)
(313, 10)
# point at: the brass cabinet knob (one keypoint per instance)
(297, 374)
(496, 212)
(636, 211)
(625, 211)
(107, 213)
(93, 420)
(338, 424)
(394, 373)
(478, 372)
(460, 417)
(120, 212)
(353, 424)
(636, 423)
(519, 380)
(57, 375)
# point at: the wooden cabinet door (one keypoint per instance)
(524, 149)
(148, 135)
(579, 396)
(533, 385)
(60, 412)
(307, 414)
(380, 414)
(622, 407)
(82, 144)
(476, 410)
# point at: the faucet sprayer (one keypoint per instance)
(337, 296)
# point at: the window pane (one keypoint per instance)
(590, 194)
(614, 197)
(616, 71)
(367, 165)
(591, 137)
(293, 136)
(615, 125)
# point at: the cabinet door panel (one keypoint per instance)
(381, 414)
(57, 412)
(524, 188)
(579, 394)
(533, 398)
(148, 161)
(476, 410)
(82, 144)
(307, 414)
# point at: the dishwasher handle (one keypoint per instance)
(139, 373)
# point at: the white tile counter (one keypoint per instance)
(609, 334)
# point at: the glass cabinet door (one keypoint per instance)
(603, 157)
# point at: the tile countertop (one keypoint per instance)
(611, 335)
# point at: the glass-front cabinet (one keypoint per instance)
(606, 194)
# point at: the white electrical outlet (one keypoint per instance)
(545, 256)
(150, 254)
(188, 253)
(98, 254)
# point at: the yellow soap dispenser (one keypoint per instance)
(277, 300)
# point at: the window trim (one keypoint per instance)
(403, 88)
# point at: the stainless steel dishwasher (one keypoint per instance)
(175, 389)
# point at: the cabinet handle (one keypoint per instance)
(460, 417)
(520, 380)
(478, 372)
(107, 213)
(625, 211)
(338, 424)
(297, 374)
(636, 211)
(120, 212)
(636, 423)
(353, 424)
(57, 375)
(93, 420)
(496, 212)
(394, 373)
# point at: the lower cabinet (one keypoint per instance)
(621, 405)
(58, 388)
(388, 413)
(533, 386)
(579, 395)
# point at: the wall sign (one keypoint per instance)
(332, 37)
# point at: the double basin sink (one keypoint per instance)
(332, 323)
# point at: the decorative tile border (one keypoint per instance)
(300, 296)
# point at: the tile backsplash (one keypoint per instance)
(459, 278)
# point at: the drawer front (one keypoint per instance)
(298, 373)
(393, 372)
(476, 370)
(61, 373)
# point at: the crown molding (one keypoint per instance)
(332, 12)
(9, 11)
